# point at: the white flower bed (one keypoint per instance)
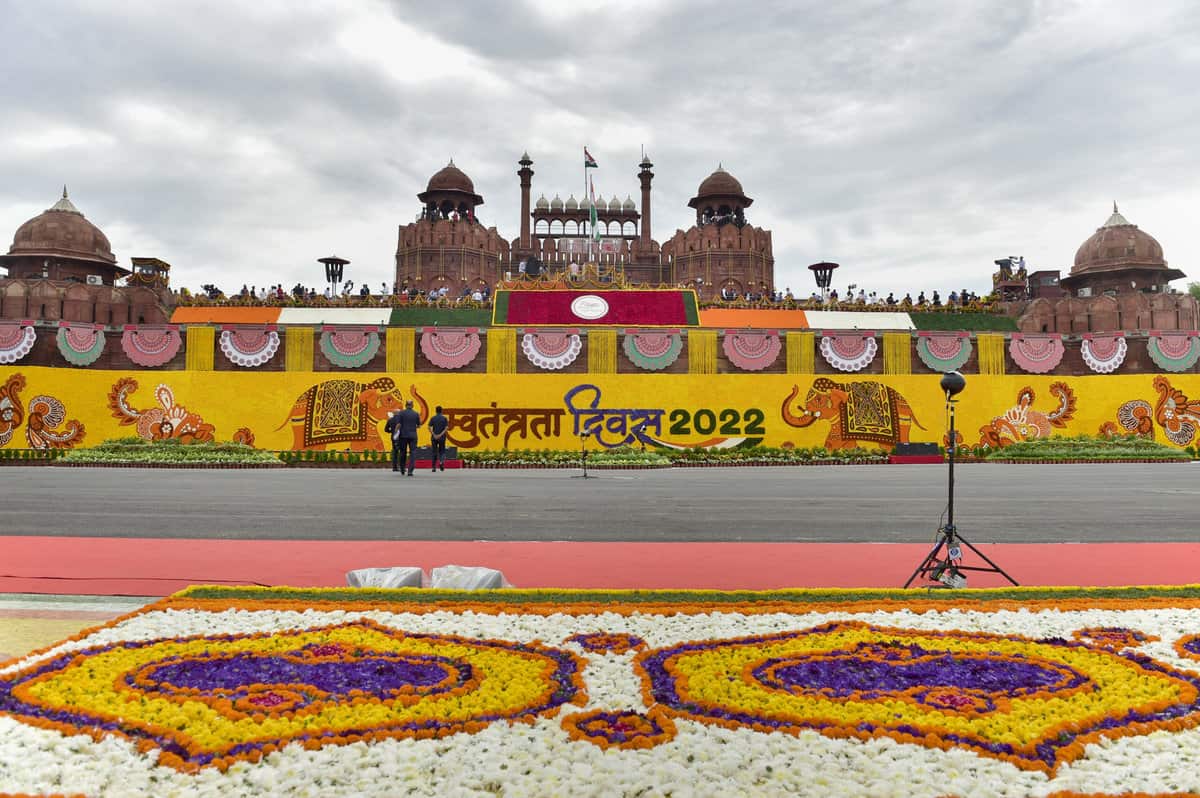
(541, 759)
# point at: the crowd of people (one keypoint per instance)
(346, 294)
(956, 300)
(481, 295)
(736, 217)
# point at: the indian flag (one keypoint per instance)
(588, 161)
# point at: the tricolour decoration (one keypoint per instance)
(450, 348)
(80, 344)
(1174, 350)
(652, 350)
(151, 347)
(1037, 353)
(551, 349)
(849, 351)
(944, 351)
(752, 350)
(16, 341)
(349, 347)
(249, 347)
(1104, 353)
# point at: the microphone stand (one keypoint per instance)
(948, 571)
(639, 432)
(583, 453)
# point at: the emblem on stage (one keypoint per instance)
(590, 307)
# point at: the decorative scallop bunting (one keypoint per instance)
(16, 341)
(849, 351)
(944, 351)
(652, 350)
(349, 347)
(1105, 353)
(249, 347)
(551, 349)
(448, 347)
(1174, 350)
(151, 346)
(752, 350)
(1037, 353)
(80, 344)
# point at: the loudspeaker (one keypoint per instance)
(913, 449)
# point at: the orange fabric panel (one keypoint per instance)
(225, 315)
(752, 317)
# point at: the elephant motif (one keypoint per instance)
(857, 412)
(1178, 415)
(1022, 423)
(345, 411)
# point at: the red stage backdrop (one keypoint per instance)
(596, 308)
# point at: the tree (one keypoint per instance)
(1194, 290)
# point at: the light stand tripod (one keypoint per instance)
(583, 453)
(948, 571)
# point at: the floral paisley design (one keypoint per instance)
(167, 421)
(45, 414)
(12, 413)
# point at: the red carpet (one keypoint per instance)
(141, 567)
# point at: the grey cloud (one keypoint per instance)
(913, 142)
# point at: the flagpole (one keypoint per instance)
(585, 176)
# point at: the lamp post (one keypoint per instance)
(334, 268)
(823, 274)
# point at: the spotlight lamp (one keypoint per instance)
(953, 383)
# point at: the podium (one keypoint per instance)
(425, 457)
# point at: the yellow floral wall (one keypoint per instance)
(286, 410)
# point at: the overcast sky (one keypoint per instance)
(913, 143)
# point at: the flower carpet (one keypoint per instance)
(263, 691)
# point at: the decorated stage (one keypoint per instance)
(243, 691)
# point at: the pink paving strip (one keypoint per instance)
(60, 615)
(155, 567)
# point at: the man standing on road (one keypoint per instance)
(437, 439)
(403, 427)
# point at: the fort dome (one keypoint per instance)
(720, 185)
(1118, 242)
(62, 231)
(450, 184)
(450, 178)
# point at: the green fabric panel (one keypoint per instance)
(500, 308)
(691, 309)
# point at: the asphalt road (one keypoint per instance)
(993, 503)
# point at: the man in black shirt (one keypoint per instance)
(437, 431)
(403, 428)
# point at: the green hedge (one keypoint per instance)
(136, 451)
(758, 455)
(1085, 447)
(31, 454)
(423, 316)
(981, 322)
